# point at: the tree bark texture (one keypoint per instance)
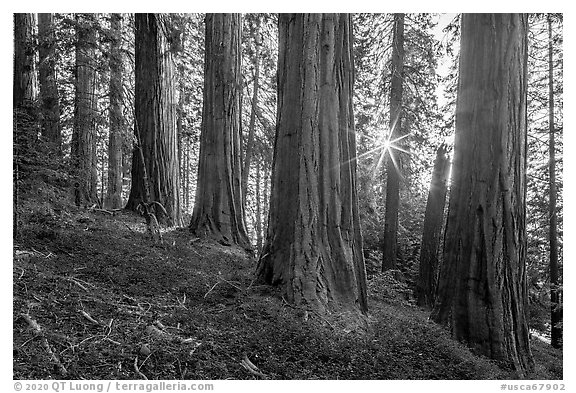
(313, 247)
(556, 306)
(433, 223)
(155, 168)
(218, 208)
(115, 139)
(47, 77)
(482, 290)
(83, 149)
(393, 164)
(25, 89)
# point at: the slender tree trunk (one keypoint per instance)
(181, 114)
(155, 168)
(83, 149)
(115, 141)
(218, 208)
(313, 247)
(252, 126)
(482, 290)
(47, 75)
(556, 305)
(433, 222)
(393, 164)
(25, 90)
(258, 211)
(187, 173)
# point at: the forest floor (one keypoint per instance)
(95, 298)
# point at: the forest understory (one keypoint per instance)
(95, 298)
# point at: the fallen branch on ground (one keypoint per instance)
(248, 365)
(44, 342)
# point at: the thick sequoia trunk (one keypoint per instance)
(47, 75)
(313, 247)
(556, 306)
(433, 221)
(83, 149)
(393, 164)
(218, 207)
(155, 168)
(25, 89)
(115, 141)
(482, 290)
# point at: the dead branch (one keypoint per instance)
(138, 370)
(88, 317)
(248, 365)
(38, 332)
(103, 211)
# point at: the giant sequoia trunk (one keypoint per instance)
(47, 73)
(25, 89)
(83, 149)
(433, 222)
(218, 207)
(313, 247)
(115, 140)
(482, 290)
(155, 172)
(556, 306)
(393, 164)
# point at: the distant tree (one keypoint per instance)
(556, 306)
(155, 169)
(218, 208)
(47, 76)
(116, 121)
(25, 90)
(83, 152)
(255, 33)
(393, 163)
(482, 290)
(313, 248)
(433, 223)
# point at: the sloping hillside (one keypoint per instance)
(95, 298)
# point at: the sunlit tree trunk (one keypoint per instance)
(433, 222)
(47, 78)
(218, 208)
(556, 306)
(313, 248)
(393, 163)
(83, 149)
(155, 169)
(115, 141)
(482, 290)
